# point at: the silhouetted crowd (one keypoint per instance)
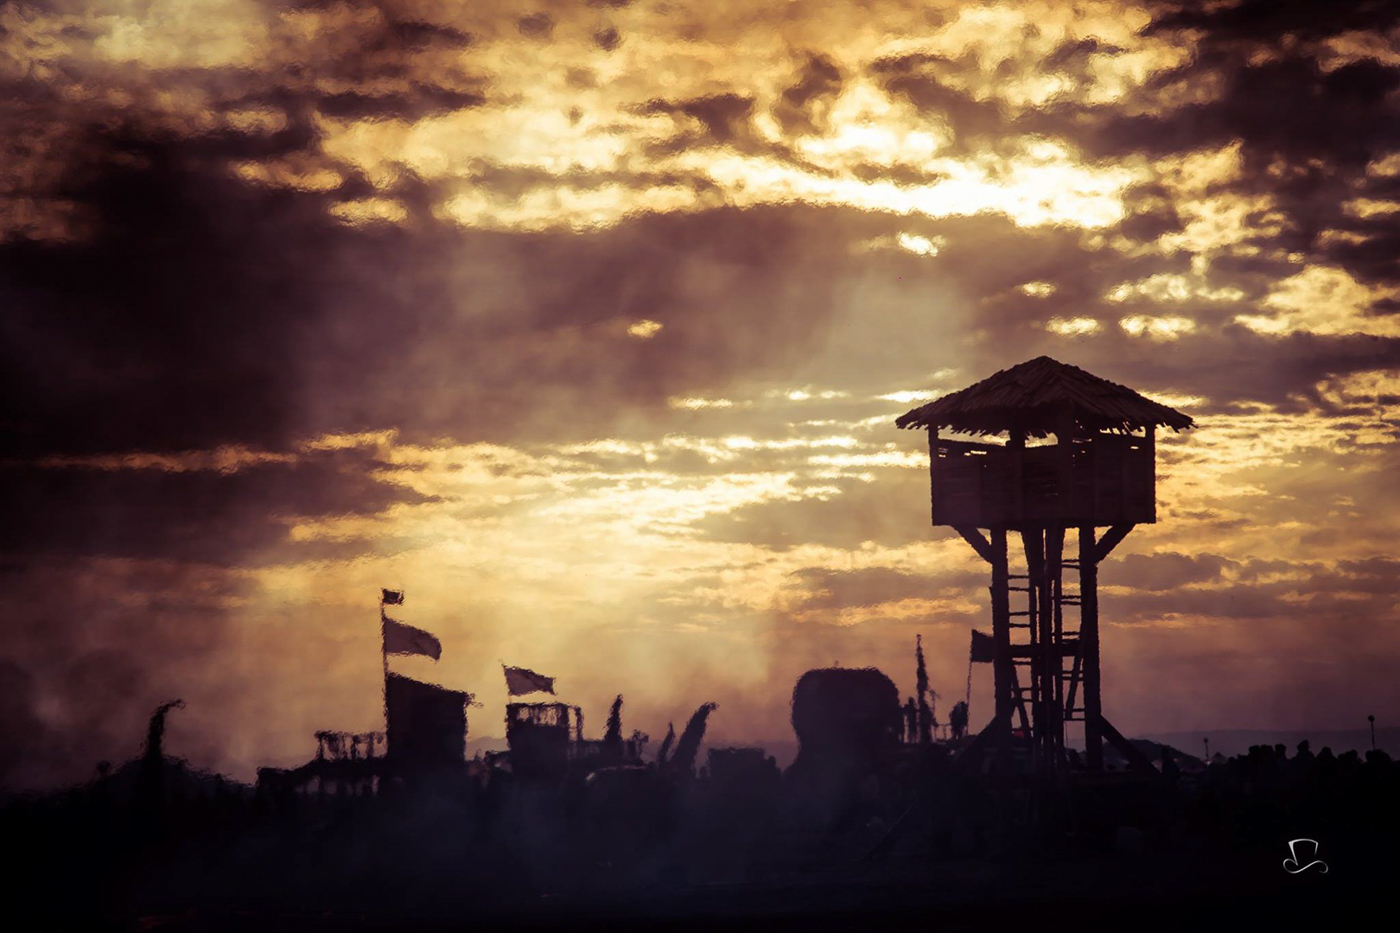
(1349, 799)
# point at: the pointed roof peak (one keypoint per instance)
(1031, 397)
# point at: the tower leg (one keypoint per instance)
(1044, 548)
(1033, 543)
(1001, 626)
(1089, 648)
(1053, 628)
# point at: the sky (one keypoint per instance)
(586, 324)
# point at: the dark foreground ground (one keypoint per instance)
(922, 848)
(1085, 894)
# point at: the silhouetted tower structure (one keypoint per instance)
(1079, 454)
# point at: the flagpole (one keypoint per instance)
(384, 657)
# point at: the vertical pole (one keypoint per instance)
(1033, 543)
(1069, 506)
(1016, 449)
(1151, 439)
(1001, 626)
(384, 657)
(1089, 647)
(933, 472)
(1053, 627)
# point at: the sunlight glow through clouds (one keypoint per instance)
(1170, 287)
(1166, 327)
(1324, 300)
(695, 403)
(919, 245)
(644, 329)
(907, 396)
(1072, 327)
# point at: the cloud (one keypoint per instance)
(889, 511)
(844, 589)
(1167, 570)
(805, 105)
(201, 516)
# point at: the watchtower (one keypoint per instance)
(1079, 454)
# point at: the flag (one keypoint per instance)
(983, 648)
(405, 639)
(391, 598)
(426, 724)
(523, 680)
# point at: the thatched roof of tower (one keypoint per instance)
(1030, 396)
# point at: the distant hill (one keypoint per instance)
(1231, 742)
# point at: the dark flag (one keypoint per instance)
(523, 680)
(983, 648)
(400, 638)
(391, 598)
(426, 724)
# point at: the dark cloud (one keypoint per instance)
(1289, 109)
(418, 35)
(415, 103)
(536, 25)
(922, 79)
(803, 105)
(1167, 570)
(204, 516)
(887, 512)
(842, 589)
(1308, 124)
(206, 310)
(91, 648)
(1344, 593)
(723, 118)
(607, 38)
(1260, 20)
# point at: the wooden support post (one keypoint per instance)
(1018, 700)
(1054, 639)
(975, 540)
(1110, 540)
(1066, 505)
(1151, 439)
(1089, 647)
(1033, 543)
(1076, 671)
(933, 473)
(1128, 750)
(1016, 450)
(1001, 626)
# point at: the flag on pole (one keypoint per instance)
(400, 638)
(523, 680)
(983, 648)
(391, 598)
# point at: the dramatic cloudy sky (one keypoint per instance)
(587, 323)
